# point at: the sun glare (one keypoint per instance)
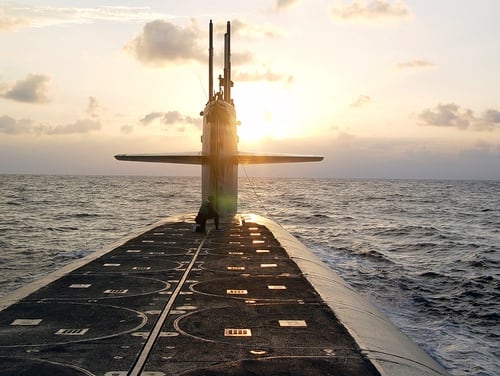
(264, 116)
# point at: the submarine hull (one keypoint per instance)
(167, 301)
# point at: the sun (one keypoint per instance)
(263, 114)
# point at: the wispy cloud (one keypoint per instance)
(172, 119)
(94, 109)
(12, 126)
(264, 74)
(33, 89)
(282, 6)
(286, 4)
(10, 23)
(239, 58)
(361, 100)
(454, 116)
(241, 28)
(370, 11)
(162, 42)
(127, 129)
(415, 64)
(16, 15)
(79, 126)
(9, 125)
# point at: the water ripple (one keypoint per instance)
(425, 252)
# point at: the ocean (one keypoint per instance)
(427, 253)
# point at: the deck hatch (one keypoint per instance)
(72, 332)
(235, 268)
(293, 323)
(26, 322)
(80, 286)
(262, 251)
(236, 292)
(110, 265)
(134, 251)
(276, 287)
(148, 241)
(236, 332)
(111, 291)
(187, 308)
(236, 253)
(258, 241)
(141, 268)
(268, 265)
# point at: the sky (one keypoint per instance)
(405, 89)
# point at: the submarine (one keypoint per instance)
(249, 299)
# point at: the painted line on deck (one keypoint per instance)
(153, 336)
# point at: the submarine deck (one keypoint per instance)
(173, 302)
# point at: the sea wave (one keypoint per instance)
(425, 252)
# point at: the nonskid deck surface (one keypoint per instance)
(173, 302)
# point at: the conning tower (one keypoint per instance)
(219, 139)
(220, 157)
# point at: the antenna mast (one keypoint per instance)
(227, 63)
(210, 61)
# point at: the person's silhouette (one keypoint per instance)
(207, 211)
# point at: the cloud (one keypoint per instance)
(94, 109)
(8, 23)
(163, 42)
(237, 58)
(360, 101)
(374, 10)
(171, 118)
(452, 115)
(286, 4)
(282, 6)
(127, 129)
(9, 125)
(15, 16)
(33, 89)
(151, 117)
(244, 29)
(241, 58)
(415, 64)
(79, 126)
(350, 156)
(492, 116)
(262, 75)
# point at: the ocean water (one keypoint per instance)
(427, 253)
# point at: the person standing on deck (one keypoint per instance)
(207, 211)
